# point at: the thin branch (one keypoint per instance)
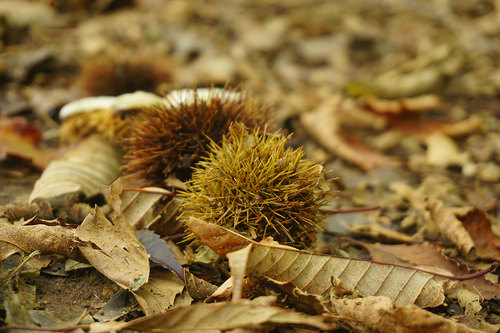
(18, 268)
(351, 210)
(46, 329)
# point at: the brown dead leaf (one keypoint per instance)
(478, 226)
(24, 210)
(6, 250)
(158, 295)
(198, 289)
(142, 207)
(114, 250)
(313, 273)
(18, 138)
(420, 103)
(426, 254)
(379, 233)
(450, 227)
(301, 300)
(468, 126)
(217, 317)
(137, 204)
(46, 239)
(378, 314)
(442, 151)
(323, 124)
(83, 170)
(18, 303)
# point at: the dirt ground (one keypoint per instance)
(398, 100)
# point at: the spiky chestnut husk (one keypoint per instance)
(252, 183)
(170, 138)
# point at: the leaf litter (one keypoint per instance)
(400, 104)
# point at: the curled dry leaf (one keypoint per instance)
(470, 125)
(378, 314)
(24, 210)
(84, 170)
(477, 224)
(301, 300)
(313, 273)
(46, 239)
(113, 249)
(323, 125)
(217, 317)
(420, 103)
(20, 139)
(450, 227)
(380, 233)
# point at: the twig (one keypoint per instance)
(154, 190)
(18, 268)
(351, 210)
(176, 236)
(46, 329)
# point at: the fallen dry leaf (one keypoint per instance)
(324, 126)
(20, 139)
(113, 249)
(198, 289)
(450, 227)
(24, 210)
(137, 204)
(83, 170)
(420, 103)
(313, 273)
(478, 226)
(378, 314)
(301, 300)
(46, 239)
(379, 233)
(158, 295)
(217, 317)
(238, 261)
(18, 302)
(6, 249)
(470, 125)
(159, 251)
(442, 151)
(426, 254)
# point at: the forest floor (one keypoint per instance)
(399, 101)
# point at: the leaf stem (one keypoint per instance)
(473, 275)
